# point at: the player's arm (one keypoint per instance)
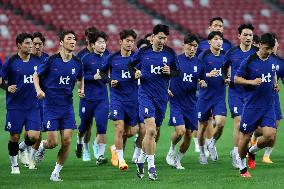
(226, 69)
(105, 71)
(240, 77)
(133, 67)
(38, 76)
(80, 83)
(4, 84)
(202, 77)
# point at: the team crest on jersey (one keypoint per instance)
(195, 68)
(165, 60)
(9, 125)
(73, 71)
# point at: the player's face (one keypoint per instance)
(127, 43)
(275, 49)
(217, 25)
(26, 47)
(246, 37)
(160, 40)
(265, 50)
(216, 42)
(69, 42)
(190, 48)
(99, 46)
(38, 46)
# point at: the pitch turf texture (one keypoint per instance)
(78, 174)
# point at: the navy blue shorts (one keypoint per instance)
(182, 116)
(58, 119)
(123, 110)
(150, 107)
(94, 109)
(251, 118)
(207, 108)
(236, 105)
(16, 119)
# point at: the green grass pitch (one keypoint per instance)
(78, 174)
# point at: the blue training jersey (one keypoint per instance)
(216, 88)
(153, 82)
(20, 73)
(253, 67)
(59, 79)
(94, 89)
(204, 45)
(233, 59)
(184, 86)
(127, 87)
(44, 56)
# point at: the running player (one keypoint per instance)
(183, 114)
(211, 100)
(257, 73)
(21, 102)
(95, 104)
(155, 64)
(59, 74)
(123, 96)
(232, 62)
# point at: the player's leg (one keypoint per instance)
(195, 140)
(236, 133)
(138, 142)
(13, 148)
(183, 149)
(101, 117)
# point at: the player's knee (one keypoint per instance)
(66, 142)
(52, 143)
(180, 131)
(132, 131)
(151, 131)
(13, 148)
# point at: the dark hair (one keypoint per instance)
(213, 34)
(275, 36)
(22, 36)
(89, 30)
(267, 39)
(142, 42)
(245, 26)
(63, 33)
(216, 18)
(147, 35)
(189, 38)
(93, 38)
(256, 39)
(161, 28)
(40, 36)
(126, 33)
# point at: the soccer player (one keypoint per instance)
(95, 104)
(233, 58)
(215, 24)
(21, 102)
(154, 65)
(256, 74)
(280, 74)
(91, 31)
(59, 74)
(123, 96)
(183, 114)
(211, 100)
(38, 44)
(255, 41)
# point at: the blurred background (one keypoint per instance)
(111, 16)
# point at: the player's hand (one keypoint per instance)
(256, 81)
(81, 93)
(113, 83)
(137, 74)
(166, 69)
(202, 84)
(227, 81)
(97, 76)
(276, 87)
(12, 88)
(40, 94)
(213, 73)
(170, 93)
